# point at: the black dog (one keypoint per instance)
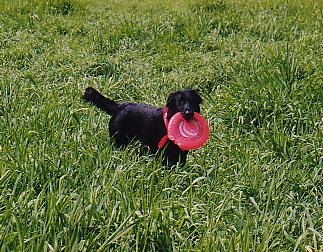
(144, 123)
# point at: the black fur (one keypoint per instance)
(131, 121)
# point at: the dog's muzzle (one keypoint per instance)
(188, 114)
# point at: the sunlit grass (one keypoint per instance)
(255, 186)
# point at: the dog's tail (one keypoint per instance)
(93, 96)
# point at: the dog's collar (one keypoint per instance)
(165, 138)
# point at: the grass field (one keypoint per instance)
(255, 186)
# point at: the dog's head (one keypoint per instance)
(186, 101)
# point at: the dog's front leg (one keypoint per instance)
(174, 155)
(182, 158)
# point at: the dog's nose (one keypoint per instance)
(188, 114)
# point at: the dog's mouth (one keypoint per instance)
(188, 115)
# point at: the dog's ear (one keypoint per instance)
(197, 97)
(171, 100)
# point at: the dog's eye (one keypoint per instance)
(181, 101)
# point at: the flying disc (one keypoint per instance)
(188, 135)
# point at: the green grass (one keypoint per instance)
(255, 186)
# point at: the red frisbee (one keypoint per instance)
(188, 135)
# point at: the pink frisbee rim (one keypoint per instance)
(188, 135)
